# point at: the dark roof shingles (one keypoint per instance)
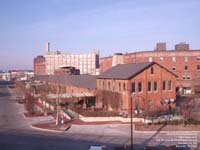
(83, 81)
(125, 71)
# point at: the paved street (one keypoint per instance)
(16, 132)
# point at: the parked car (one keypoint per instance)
(98, 147)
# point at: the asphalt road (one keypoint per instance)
(16, 132)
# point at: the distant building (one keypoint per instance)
(39, 65)
(182, 61)
(88, 63)
(1, 74)
(151, 87)
(65, 70)
(6, 77)
(13, 75)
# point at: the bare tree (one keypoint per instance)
(186, 108)
(21, 86)
(30, 103)
(109, 99)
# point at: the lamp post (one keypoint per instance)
(57, 109)
(131, 123)
(57, 105)
(168, 102)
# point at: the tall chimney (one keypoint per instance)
(118, 58)
(161, 46)
(47, 47)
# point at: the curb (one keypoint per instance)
(48, 130)
(136, 131)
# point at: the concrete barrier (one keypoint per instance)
(46, 104)
(100, 119)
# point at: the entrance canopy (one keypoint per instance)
(70, 95)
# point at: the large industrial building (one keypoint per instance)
(88, 63)
(182, 61)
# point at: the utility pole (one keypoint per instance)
(131, 123)
(57, 105)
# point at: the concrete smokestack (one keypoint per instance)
(47, 47)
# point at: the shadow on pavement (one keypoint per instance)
(4, 94)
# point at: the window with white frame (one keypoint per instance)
(174, 59)
(109, 85)
(198, 67)
(174, 68)
(152, 70)
(113, 85)
(150, 59)
(149, 86)
(186, 68)
(124, 85)
(169, 85)
(186, 59)
(188, 77)
(119, 85)
(155, 85)
(164, 85)
(139, 86)
(133, 87)
(198, 58)
(161, 58)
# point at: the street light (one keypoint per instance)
(57, 102)
(131, 123)
(168, 102)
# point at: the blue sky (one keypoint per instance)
(79, 26)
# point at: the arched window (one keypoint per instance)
(152, 70)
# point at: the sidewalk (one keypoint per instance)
(62, 127)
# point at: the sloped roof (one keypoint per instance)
(83, 81)
(127, 71)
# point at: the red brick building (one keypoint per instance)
(39, 65)
(148, 84)
(72, 88)
(182, 61)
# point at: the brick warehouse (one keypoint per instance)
(182, 61)
(149, 84)
(73, 88)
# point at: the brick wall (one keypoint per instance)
(39, 65)
(173, 60)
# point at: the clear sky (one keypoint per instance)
(79, 26)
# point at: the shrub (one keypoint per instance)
(192, 122)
